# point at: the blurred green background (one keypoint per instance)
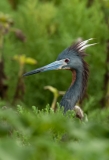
(41, 30)
(32, 34)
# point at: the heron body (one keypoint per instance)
(72, 58)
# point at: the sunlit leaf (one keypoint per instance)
(30, 60)
(22, 59)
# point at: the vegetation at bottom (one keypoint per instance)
(42, 134)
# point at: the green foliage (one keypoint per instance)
(50, 27)
(41, 30)
(59, 27)
(47, 135)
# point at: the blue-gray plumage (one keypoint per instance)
(72, 59)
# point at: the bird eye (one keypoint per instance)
(67, 60)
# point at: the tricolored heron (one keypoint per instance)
(72, 58)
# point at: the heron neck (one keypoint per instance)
(74, 92)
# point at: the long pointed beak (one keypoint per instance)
(52, 66)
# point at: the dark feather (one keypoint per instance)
(79, 47)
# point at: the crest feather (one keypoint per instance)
(80, 46)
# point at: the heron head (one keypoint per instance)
(70, 58)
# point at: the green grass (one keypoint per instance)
(34, 134)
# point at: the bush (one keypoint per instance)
(34, 134)
(49, 28)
